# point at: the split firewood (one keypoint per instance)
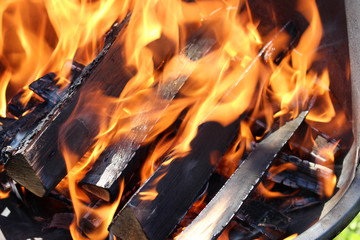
(178, 185)
(306, 176)
(179, 182)
(312, 169)
(28, 116)
(118, 160)
(297, 180)
(36, 162)
(221, 209)
(17, 109)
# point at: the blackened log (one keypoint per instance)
(311, 169)
(12, 131)
(118, 160)
(76, 70)
(259, 214)
(306, 175)
(37, 163)
(177, 184)
(298, 180)
(299, 203)
(322, 142)
(46, 88)
(221, 209)
(184, 177)
(17, 109)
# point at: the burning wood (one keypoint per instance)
(36, 161)
(183, 81)
(102, 179)
(218, 213)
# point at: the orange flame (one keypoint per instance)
(291, 237)
(209, 52)
(42, 36)
(326, 157)
(103, 214)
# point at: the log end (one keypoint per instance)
(19, 169)
(97, 191)
(126, 226)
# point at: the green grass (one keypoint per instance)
(352, 231)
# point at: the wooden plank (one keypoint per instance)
(118, 160)
(36, 162)
(227, 202)
(184, 178)
(177, 189)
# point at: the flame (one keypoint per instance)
(102, 214)
(167, 57)
(326, 157)
(148, 195)
(209, 54)
(42, 36)
(4, 195)
(291, 237)
(225, 234)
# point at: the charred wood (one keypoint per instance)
(299, 203)
(46, 87)
(309, 168)
(260, 215)
(17, 109)
(36, 162)
(306, 176)
(102, 179)
(119, 160)
(178, 185)
(297, 180)
(231, 197)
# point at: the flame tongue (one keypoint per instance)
(228, 200)
(224, 66)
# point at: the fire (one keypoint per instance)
(266, 191)
(291, 237)
(210, 54)
(218, 76)
(99, 216)
(38, 37)
(326, 157)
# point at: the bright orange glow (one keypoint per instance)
(326, 157)
(4, 194)
(42, 36)
(267, 193)
(149, 195)
(274, 170)
(225, 234)
(291, 237)
(266, 190)
(219, 73)
(203, 61)
(81, 202)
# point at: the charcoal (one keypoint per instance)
(46, 88)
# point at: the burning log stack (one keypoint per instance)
(189, 130)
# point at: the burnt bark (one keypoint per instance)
(218, 213)
(118, 160)
(178, 189)
(36, 162)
